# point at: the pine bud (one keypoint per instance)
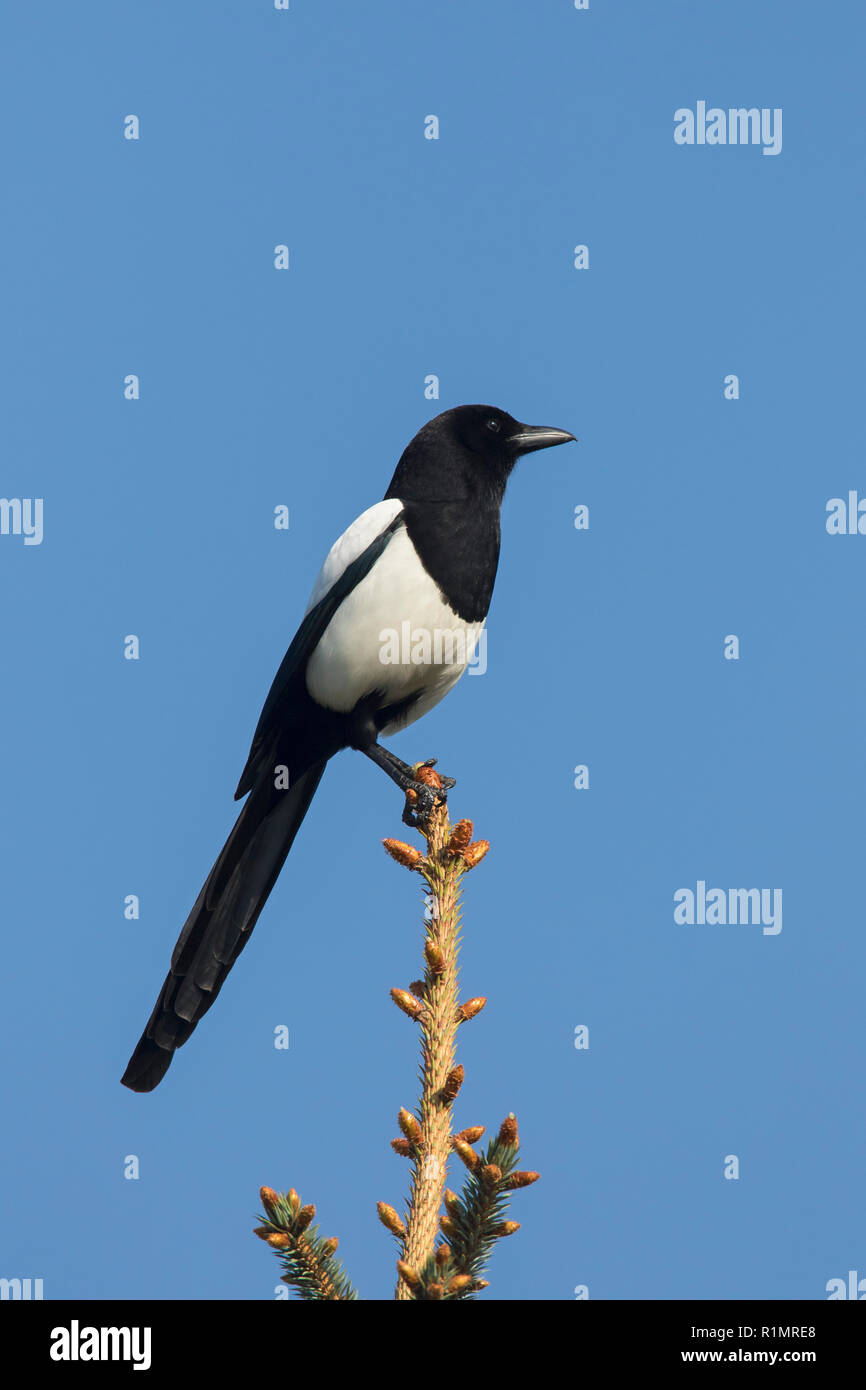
(279, 1240)
(435, 1290)
(402, 1147)
(427, 774)
(329, 1246)
(465, 1152)
(390, 1220)
(451, 1200)
(407, 1002)
(262, 1232)
(460, 837)
(453, 1082)
(470, 1008)
(520, 1180)
(408, 1275)
(507, 1228)
(508, 1135)
(304, 1219)
(435, 958)
(294, 1201)
(404, 854)
(447, 1227)
(475, 853)
(472, 1134)
(409, 1126)
(491, 1175)
(443, 1255)
(459, 1283)
(269, 1197)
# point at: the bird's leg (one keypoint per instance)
(425, 797)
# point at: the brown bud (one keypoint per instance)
(418, 987)
(279, 1240)
(404, 854)
(390, 1220)
(435, 1290)
(508, 1132)
(407, 1002)
(408, 1275)
(263, 1232)
(423, 772)
(470, 1008)
(447, 1227)
(329, 1246)
(479, 1284)
(475, 853)
(520, 1180)
(443, 1255)
(269, 1196)
(435, 958)
(507, 1228)
(472, 1134)
(409, 1126)
(491, 1175)
(453, 1082)
(459, 1283)
(402, 1147)
(451, 1200)
(460, 837)
(465, 1152)
(304, 1219)
(294, 1201)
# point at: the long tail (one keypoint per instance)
(221, 922)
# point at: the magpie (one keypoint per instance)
(426, 555)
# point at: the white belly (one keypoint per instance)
(394, 634)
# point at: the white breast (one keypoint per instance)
(394, 633)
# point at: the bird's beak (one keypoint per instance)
(531, 437)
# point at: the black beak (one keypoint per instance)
(531, 437)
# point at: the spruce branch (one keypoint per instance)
(442, 1255)
(305, 1255)
(428, 1134)
(474, 1221)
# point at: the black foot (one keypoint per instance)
(419, 807)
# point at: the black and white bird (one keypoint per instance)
(425, 556)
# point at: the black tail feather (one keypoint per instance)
(221, 922)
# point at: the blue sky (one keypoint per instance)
(258, 387)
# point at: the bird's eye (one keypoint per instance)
(494, 425)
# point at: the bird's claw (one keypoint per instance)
(421, 801)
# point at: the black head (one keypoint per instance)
(467, 450)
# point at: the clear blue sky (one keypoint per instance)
(454, 257)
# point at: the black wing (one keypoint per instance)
(290, 678)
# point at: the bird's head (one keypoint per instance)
(468, 447)
(495, 435)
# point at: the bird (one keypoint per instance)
(426, 556)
